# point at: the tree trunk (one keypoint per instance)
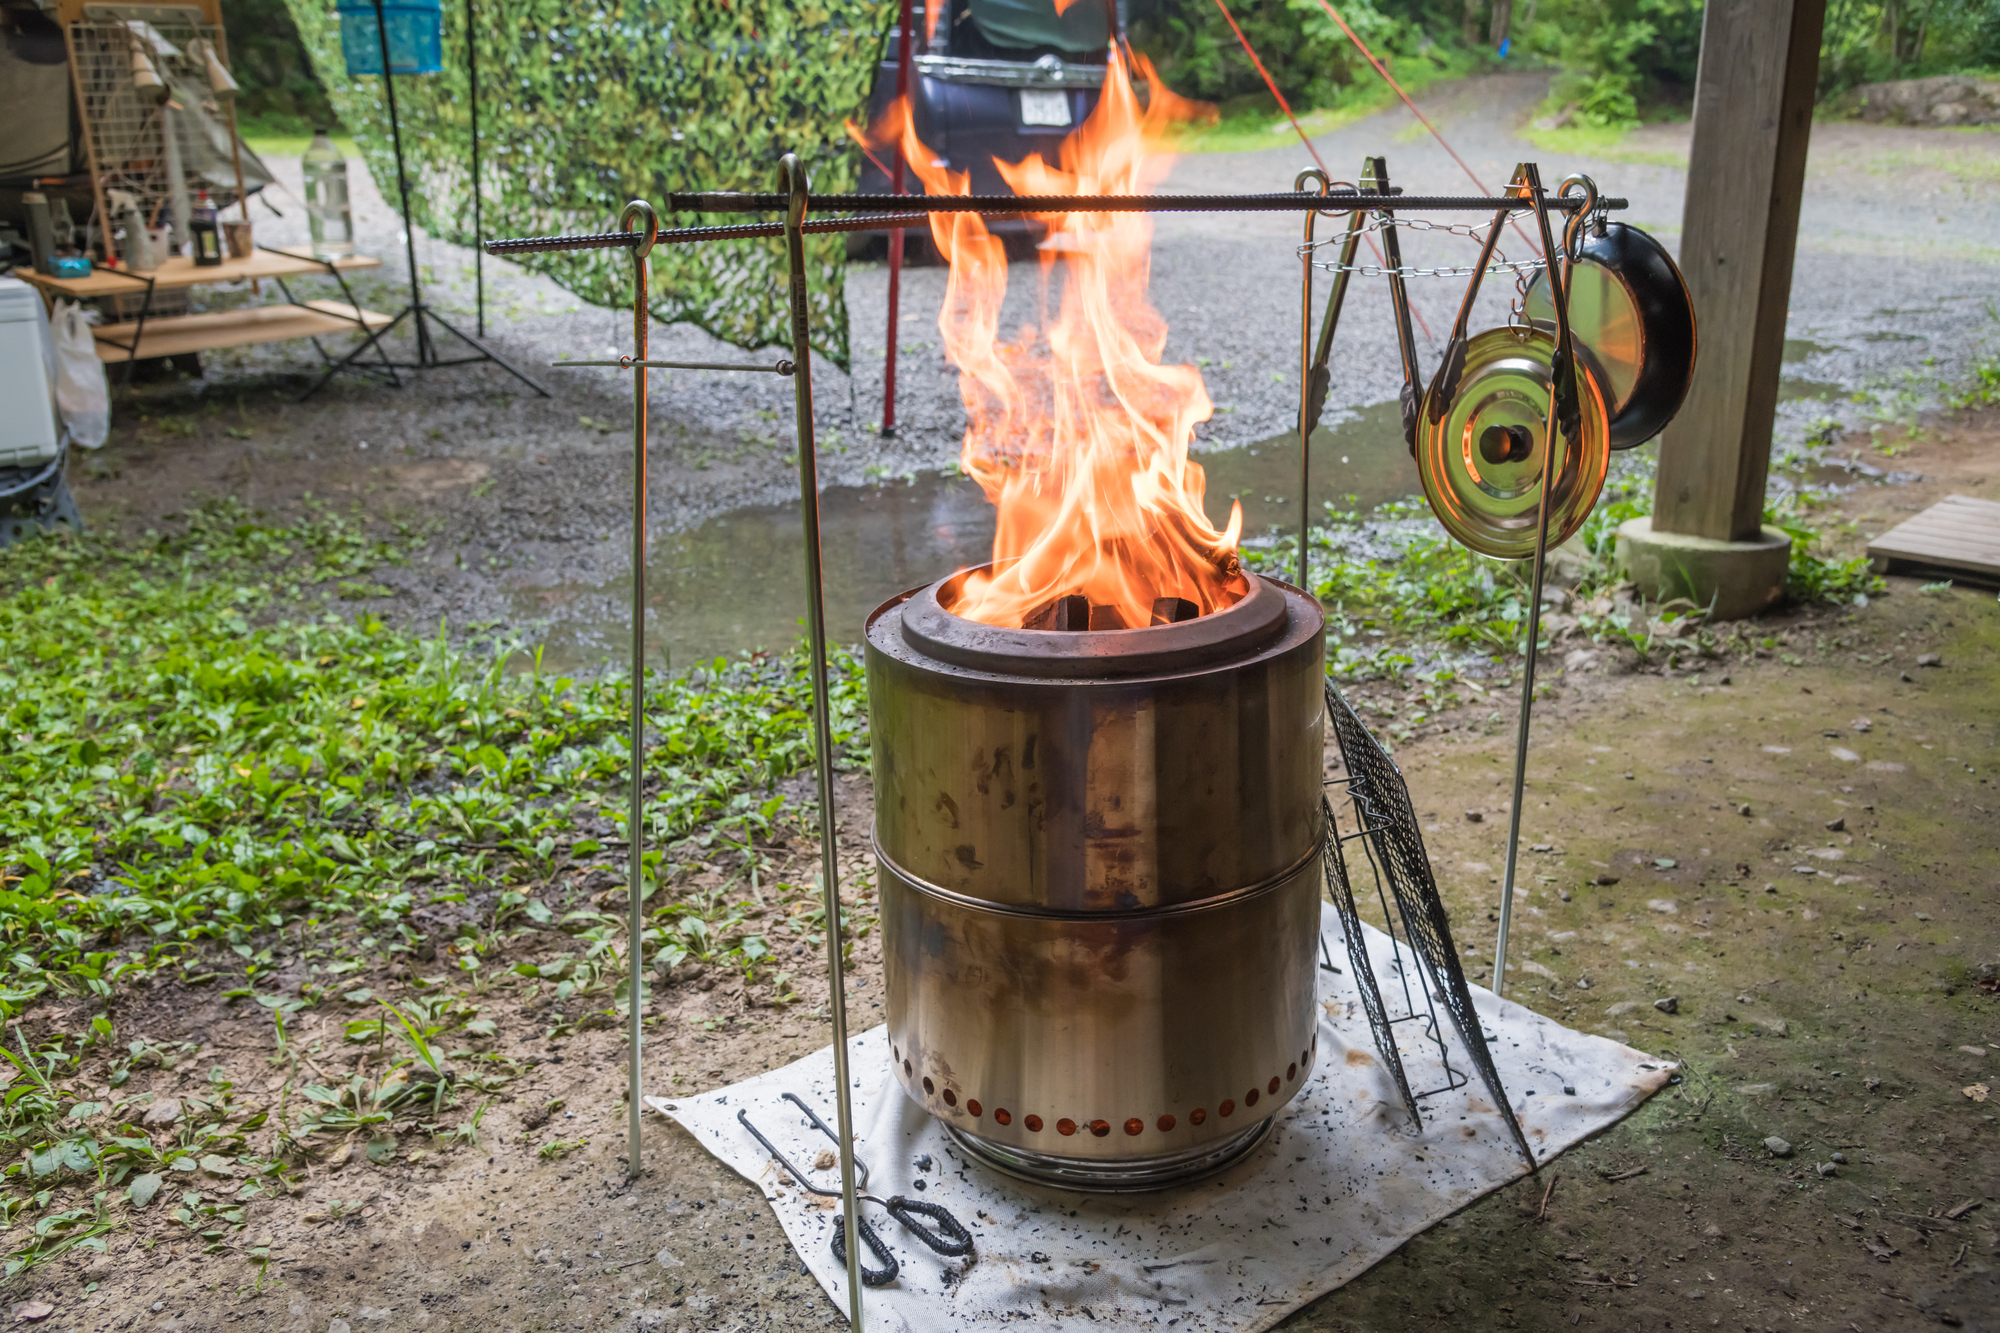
(1472, 22)
(1503, 16)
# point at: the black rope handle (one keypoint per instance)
(870, 1277)
(951, 1239)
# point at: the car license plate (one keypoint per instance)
(1044, 108)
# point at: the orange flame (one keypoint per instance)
(1077, 433)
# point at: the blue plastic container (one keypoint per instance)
(416, 37)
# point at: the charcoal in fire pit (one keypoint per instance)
(1066, 613)
(1076, 612)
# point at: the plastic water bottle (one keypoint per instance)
(327, 211)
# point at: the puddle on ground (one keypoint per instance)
(1799, 390)
(1792, 388)
(737, 581)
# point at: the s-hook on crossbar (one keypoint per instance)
(866, 213)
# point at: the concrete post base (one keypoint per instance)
(1739, 578)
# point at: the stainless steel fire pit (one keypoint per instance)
(1100, 879)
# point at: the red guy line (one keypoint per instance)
(1300, 130)
(1383, 70)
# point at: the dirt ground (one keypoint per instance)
(1795, 842)
(1815, 895)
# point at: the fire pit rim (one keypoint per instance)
(1260, 616)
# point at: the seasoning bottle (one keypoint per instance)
(328, 216)
(205, 232)
(41, 229)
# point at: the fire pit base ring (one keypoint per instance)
(1131, 1176)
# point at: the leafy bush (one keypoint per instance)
(1308, 57)
(1625, 61)
(181, 769)
(1868, 41)
(1622, 60)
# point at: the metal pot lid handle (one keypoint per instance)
(1480, 462)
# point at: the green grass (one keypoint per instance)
(1260, 124)
(210, 769)
(1396, 587)
(1968, 168)
(1982, 386)
(287, 137)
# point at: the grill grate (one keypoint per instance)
(1387, 828)
(1340, 889)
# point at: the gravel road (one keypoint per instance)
(1894, 289)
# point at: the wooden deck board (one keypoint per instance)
(1959, 535)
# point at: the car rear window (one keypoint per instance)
(1026, 25)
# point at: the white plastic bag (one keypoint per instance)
(83, 395)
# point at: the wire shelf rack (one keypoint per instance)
(125, 128)
(1426, 968)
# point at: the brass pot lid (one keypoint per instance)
(1481, 438)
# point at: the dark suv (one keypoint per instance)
(1000, 79)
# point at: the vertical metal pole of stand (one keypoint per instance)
(905, 32)
(1305, 178)
(478, 233)
(1551, 442)
(635, 833)
(402, 188)
(792, 181)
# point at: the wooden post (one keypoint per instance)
(1752, 120)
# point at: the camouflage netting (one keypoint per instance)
(583, 106)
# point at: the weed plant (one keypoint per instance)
(211, 771)
(1397, 588)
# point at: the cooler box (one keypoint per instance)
(29, 436)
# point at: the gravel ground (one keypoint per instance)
(529, 495)
(1891, 270)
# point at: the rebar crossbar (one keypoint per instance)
(891, 212)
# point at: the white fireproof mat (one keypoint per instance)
(1340, 1183)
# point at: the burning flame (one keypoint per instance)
(1077, 433)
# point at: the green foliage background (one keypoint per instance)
(280, 94)
(1622, 61)
(1627, 61)
(1307, 55)
(586, 105)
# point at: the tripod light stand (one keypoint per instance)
(421, 315)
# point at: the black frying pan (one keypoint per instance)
(1630, 311)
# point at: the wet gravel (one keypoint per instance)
(1892, 289)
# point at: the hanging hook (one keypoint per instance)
(649, 233)
(1573, 229)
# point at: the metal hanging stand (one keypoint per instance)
(1563, 416)
(1385, 819)
(1423, 915)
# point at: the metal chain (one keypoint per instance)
(1472, 231)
